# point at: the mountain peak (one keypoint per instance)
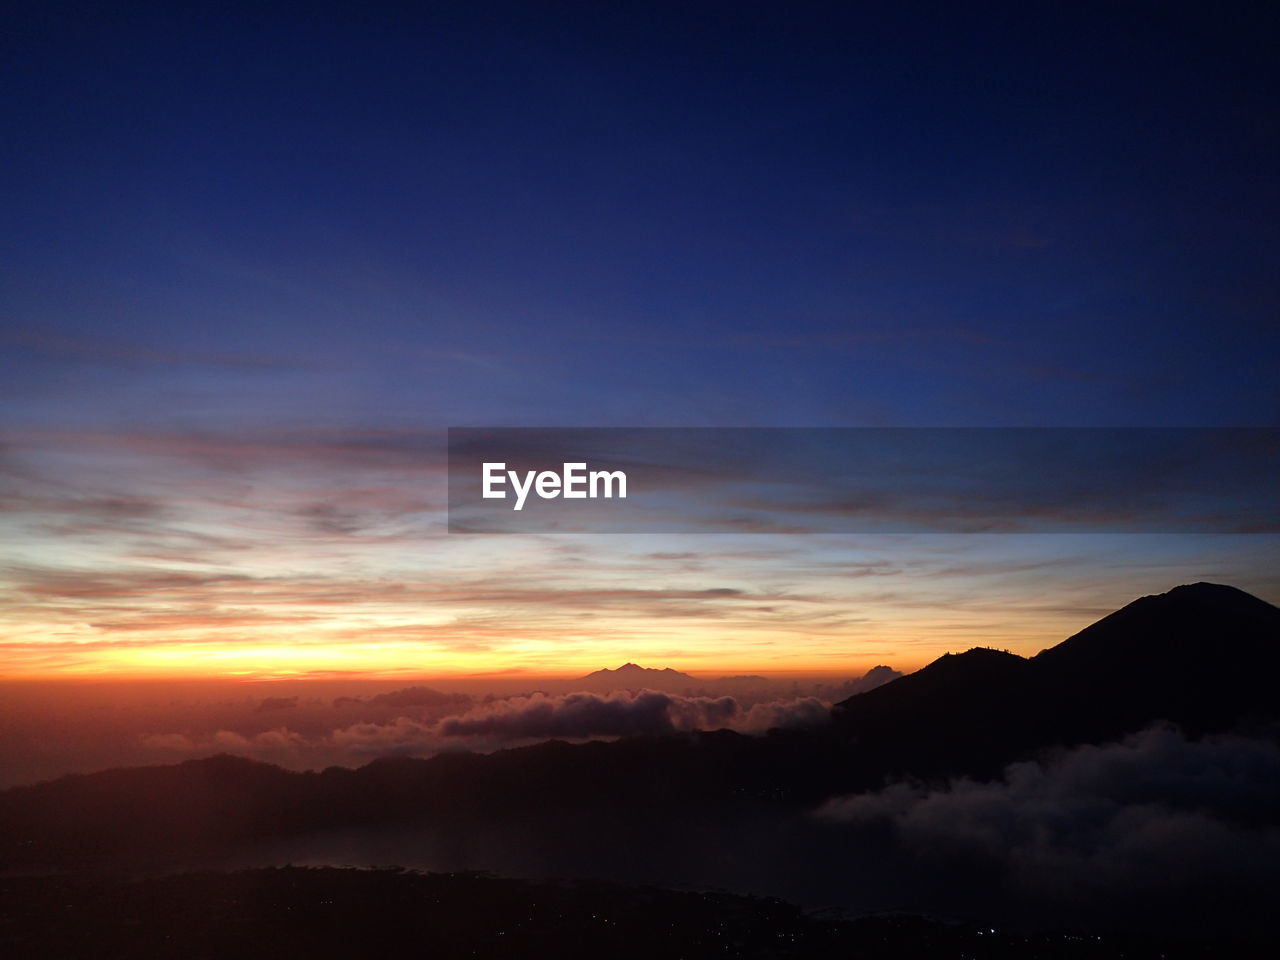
(974, 667)
(1203, 590)
(1202, 586)
(1194, 622)
(635, 668)
(1202, 655)
(632, 675)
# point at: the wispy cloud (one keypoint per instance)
(98, 350)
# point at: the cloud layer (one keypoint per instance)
(1188, 823)
(500, 722)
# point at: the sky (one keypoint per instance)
(254, 261)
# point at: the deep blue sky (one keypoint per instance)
(614, 214)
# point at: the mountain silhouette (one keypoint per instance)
(1203, 656)
(632, 676)
(877, 676)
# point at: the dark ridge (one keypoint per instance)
(962, 708)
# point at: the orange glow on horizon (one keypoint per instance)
(376, 641)
(273, 664)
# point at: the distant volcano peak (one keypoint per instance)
(635, 668)
(632, 675)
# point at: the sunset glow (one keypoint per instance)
(149, 554)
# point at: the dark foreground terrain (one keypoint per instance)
(348, 913)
